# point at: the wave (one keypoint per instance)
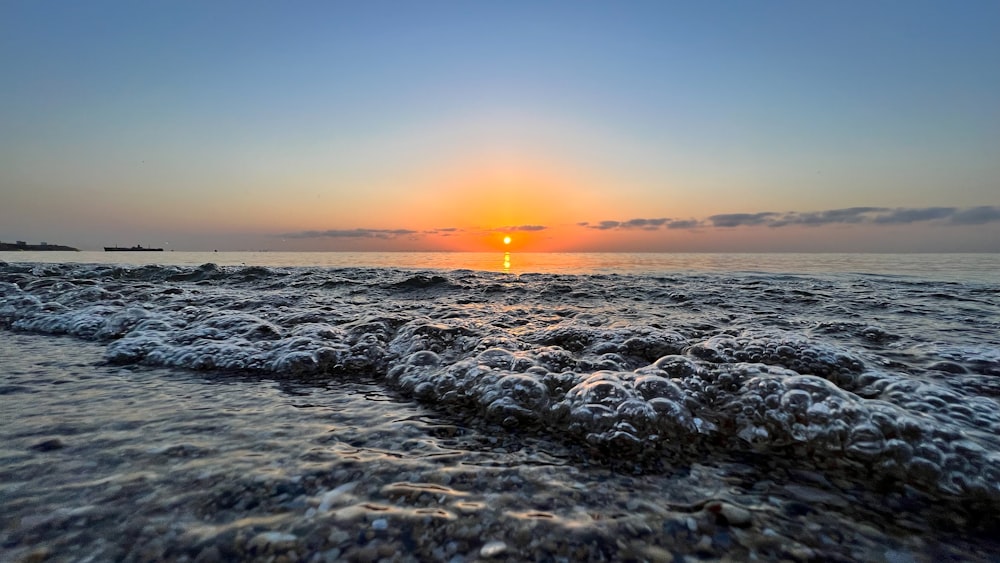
(896, 380)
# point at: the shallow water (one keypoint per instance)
(362, 412)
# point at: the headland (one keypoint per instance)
(21, 245)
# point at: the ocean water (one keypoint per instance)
(956, 267)
(219, 406)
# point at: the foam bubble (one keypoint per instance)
(577, 356)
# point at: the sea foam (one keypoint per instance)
(634, 367)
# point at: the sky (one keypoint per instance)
(708, 126)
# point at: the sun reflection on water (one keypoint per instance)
(506, 262)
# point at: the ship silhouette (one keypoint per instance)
(136, 248)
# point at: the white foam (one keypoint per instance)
(604, 360)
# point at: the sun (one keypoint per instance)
(506, 240)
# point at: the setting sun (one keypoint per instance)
(506, 240)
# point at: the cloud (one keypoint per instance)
(444, 232)
(904, 216)
(648, 224)
(862, 215)
(605, 225)
(521, 228)
(741, 219)
(845, 216)
(352, 233)
(684, 224)
(387, 234)
(975, 216)
(884, 216)
(645, 224)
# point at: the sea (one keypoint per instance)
(266, 406)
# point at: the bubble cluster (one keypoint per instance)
(624, 347)
(797, 353)
(822, 420)
(574, 356)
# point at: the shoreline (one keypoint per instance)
(214, 467)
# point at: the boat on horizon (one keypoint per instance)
(136, 248)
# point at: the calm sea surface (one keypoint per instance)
(461, 407)
(983, 267)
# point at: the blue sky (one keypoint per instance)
(263, 125)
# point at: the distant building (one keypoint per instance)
(22, 243)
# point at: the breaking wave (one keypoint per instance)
(891, 377)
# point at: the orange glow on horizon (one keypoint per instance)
(500, 200)
(514, 201)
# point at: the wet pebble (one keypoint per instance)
(272, 541)
(493, 549)
(730, 514)
(812, 495)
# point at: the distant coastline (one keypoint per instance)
(23, 246)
